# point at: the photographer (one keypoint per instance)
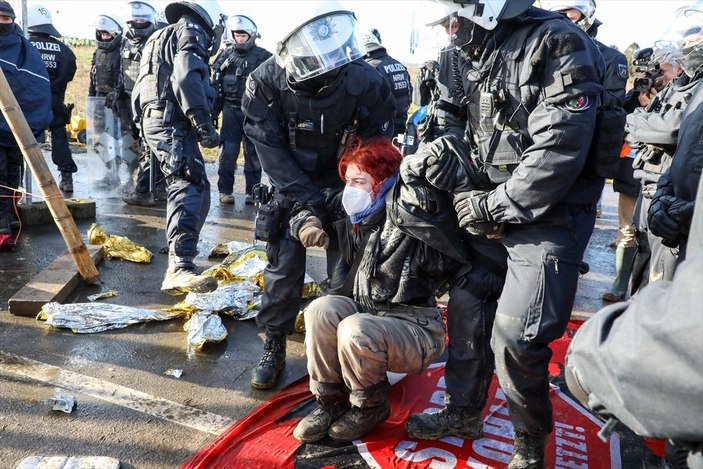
(652, 131)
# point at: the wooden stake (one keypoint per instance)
(54, 200)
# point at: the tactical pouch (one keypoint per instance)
(608, 137)
(267, 226)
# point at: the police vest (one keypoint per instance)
(398, 78)
(131, 54)
(317, 123)
(231, 73)
(106, 67)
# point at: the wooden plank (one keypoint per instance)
(54, 283)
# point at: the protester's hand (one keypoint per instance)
(312, 234)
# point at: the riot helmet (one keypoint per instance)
(488, 13)
(240, 25)
(161, 21)
(39, 20)
(580, 12)
(108, 29)
(202, 13)
(142, 19)
(686, 30)
(325, 40)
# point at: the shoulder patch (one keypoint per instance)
(578, 104)
(251, 87)
(622, 71)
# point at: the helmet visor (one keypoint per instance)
(142, 13)
(321, 45)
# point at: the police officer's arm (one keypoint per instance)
(561, 128)
(641, 361)
(615, 78)
(68, 68)
(191, 73)
(91, 85)
(376, 109)
(264, 126)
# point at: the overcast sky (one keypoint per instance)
(624, 21)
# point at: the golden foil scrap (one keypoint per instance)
(118, 246)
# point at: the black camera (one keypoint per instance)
(642, 61)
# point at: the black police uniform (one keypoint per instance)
(231, 69)
(397, 77)
(539, 91)
(297, 135)
(653, 132)
(60, 62)
(105, 67)
(173, 84)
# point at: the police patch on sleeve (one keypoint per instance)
(578, 104)
(251, 87)
(622, 71)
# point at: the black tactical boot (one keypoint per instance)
(316, 424)
(452, 420)
(528, 451)
(182, 277)
(358, 421)
(66, 183)
(144, 199)
(268, 371)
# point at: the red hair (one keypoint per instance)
(379, 158)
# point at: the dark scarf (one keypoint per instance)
(385, 263)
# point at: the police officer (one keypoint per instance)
(301, 106)
(670, 213)
(173, 98)
(394, 72)
(652, 130)
(105, 73)
(60, 62)
(581, 13)
(231, 69)
(531, 137)
(27, 76)
(473, 295)
(140, 26)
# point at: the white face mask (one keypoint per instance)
(355, 200)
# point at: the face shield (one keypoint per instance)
(108, 25)
(142, 18)
(322, 44)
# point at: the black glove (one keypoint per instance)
(201, 121)
(472, 212)
(111, 99)
(669, 217)
(444, 171)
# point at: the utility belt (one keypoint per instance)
(271, 215)
(163, 110)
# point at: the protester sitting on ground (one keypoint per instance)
(384, 315)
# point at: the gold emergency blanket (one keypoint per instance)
(118, 246)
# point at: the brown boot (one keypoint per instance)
(316, 424)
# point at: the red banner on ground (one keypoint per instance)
(265, 437)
